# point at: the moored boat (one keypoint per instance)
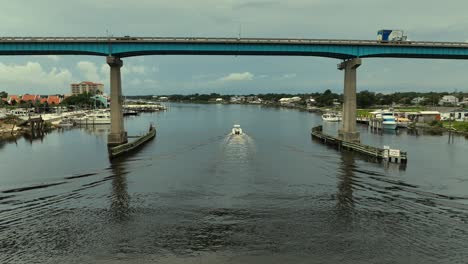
(402, 122)
(383, 119)
(66, 123)
(331, 117)
(94, 118)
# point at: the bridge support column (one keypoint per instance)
(348, 130)
(117, 135)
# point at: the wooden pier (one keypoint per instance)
(391, 155)
(36, 125)
(131, 146)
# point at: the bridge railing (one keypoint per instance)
(232, 40)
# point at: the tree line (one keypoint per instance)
(364, 99)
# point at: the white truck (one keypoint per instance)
(391, 35)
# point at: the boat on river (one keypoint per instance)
(237, 130)
(331, 117)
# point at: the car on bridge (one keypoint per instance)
(126, 38)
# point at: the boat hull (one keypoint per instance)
(389, 126)
(93, 122)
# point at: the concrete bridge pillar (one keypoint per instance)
(117, 135)
(348, 130)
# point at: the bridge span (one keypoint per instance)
(115, 48)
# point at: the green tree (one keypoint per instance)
(326, 99)
(365, 99)
(3, 94)
(82, 100)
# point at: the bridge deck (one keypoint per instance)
(229, 40)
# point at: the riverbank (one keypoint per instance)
(12, 128)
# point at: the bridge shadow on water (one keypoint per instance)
(119, 198)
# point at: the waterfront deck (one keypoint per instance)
(391, 155)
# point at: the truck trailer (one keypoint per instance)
(391, 35)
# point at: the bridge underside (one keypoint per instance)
(233, 47)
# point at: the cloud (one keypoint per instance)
(136, 69)
(54, 58)
(256, 4)
(288, 76)
(33, 78)
(244, 76)
(89, 71)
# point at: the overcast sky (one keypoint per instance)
(432, 20)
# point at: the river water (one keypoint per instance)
(197, 195)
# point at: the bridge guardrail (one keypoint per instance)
(233, 40)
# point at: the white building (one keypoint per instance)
(284, 101)
(418, 100)
(295, 99)
(457, 115)
(464, 102)
(311, 101)
(237, 99)
(448, 100)
(219, 100)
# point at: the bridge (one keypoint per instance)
(115, 48)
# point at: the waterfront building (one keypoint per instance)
(295, 99)
(103, 99)
(464, 102)
(460, 115)
(53, 100)
(12, 98)
(31, 98)
(424, 116)
(448, 100)
(311, 101)
(237, 99)
(87, 87)
(418, 100)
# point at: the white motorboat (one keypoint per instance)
(66, 122)
(331, 117)
(94, 118)
(237, 130)
(387, 118)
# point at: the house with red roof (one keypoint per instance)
(31, 98)
(53, 99)
(12, 98)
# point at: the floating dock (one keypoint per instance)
(391, 155)
(131, 146)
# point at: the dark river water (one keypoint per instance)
(197, 195)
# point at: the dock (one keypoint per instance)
(131, 146)
(387, 154)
